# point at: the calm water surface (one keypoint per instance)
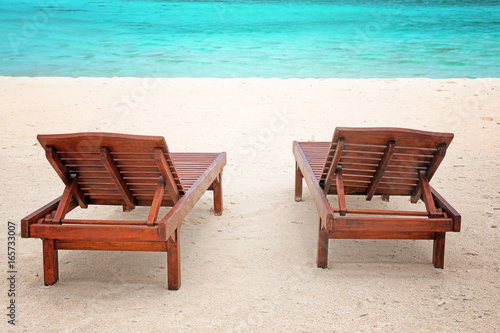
(250, 38)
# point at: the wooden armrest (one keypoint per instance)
(174, 217)
(452, 213)
(40, 213)
(324, 209)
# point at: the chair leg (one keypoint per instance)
(438, 250)
(323, 237)
(298, 183)
(217, 188)
(174, 262)
(50, 262)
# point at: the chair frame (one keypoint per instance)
(439, 217)
(161, 235)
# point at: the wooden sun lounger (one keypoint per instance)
(376, 161)
(126, 170)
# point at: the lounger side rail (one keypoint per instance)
(303, 170)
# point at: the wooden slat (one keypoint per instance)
(68, 195)
(155, 206)
(386, 212)
(137, 169)
(436, 161)
(166, 173)
(57, 164)
(100, 222)
(408, 163)
(140, 201)
(111, 246)
(340, 191)
(86, 174)
(115, 174)
(361, 190)
(384, 162)
(346, 234)
(339, 147)
(403, 136)
(96, 232)
(63, 173)
(365, 224)
(433, 165)
(427, 195)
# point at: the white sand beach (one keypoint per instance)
(253, 269)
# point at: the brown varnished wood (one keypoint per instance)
(132, 154)
(116, 176)
(174, 261)
(97, 232)
(298, 183)
(141, 201)
(322, 205)
(340, 191)
(38, 214)
(380, 234)
(68, 195)
(355, 224)
(98, 222)
(378, 161)
(63, 173)
(438, 250)
(165, 171)
(379, 173)
(172, 220)
(436, 160)
(331, 166)
(67, 244)
(217, 190)
(431, 169)
(450, 211)
(101, 189)
(323, 238)
(124, 170)
(427, 195)
(386, 212)
(155, 206)
(403, 136)
(358, 175)
(50, 262)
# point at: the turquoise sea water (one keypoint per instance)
(251, 38)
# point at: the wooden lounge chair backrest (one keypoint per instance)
(387, 161)
(113, 169)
